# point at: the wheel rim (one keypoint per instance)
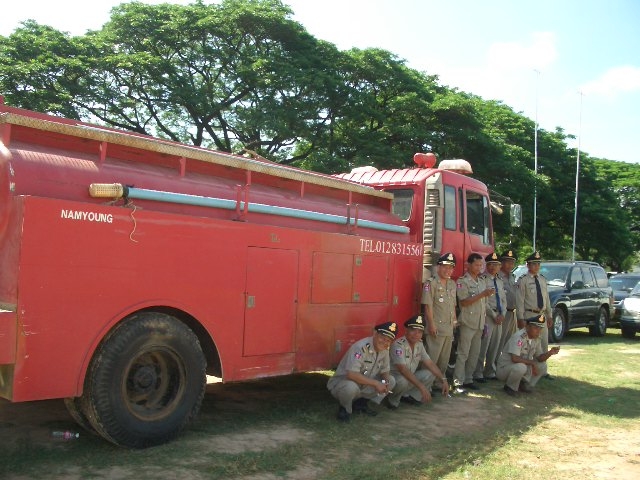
(558, 325)
(602, 320)
(154, 384)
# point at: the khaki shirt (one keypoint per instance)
(492, 301)
(520, 345)
(472, 316)
(441, 299)
(527, 299)
(509, 283)
(363, 358)
(402, 354)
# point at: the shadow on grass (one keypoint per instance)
(302, 402)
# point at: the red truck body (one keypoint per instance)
(260, 269)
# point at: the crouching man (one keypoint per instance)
(363, 373)
(407, 355)
(523, 362)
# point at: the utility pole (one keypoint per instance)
(535, 167)
(575, 208)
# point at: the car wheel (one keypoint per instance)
(559, 325)
(627, 332)
(600, 327)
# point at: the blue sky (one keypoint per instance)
(569, 63)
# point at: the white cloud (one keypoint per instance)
(614, 81)
(540, 53)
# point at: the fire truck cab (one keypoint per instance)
(444, 208)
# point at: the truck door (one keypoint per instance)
(477, 222)
(270, 301)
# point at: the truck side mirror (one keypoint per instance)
(515, 214)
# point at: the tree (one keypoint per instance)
(241, 75)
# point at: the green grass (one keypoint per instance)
(286, 428)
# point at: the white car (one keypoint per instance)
(630, 313)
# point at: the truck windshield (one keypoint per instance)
(402, 203)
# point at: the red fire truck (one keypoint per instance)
(132, 267)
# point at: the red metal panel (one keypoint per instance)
(8, 337)
(271, 294)
(407, 283)
(332, 278)
(370, 279)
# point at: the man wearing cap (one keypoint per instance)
(363, 373)
(532, 297)
(439, 307)
(407, 354)
(523, 361)
(505, 274)
(472, 292)
(496, 310)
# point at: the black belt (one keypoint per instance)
(534, 311)
(511, 309)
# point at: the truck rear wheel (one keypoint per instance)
(146, 381)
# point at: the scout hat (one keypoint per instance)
(492, 258)
(537, 321)
(388, 329)
(508, 255)
(534, 257)
(415, 322)
(447, 259)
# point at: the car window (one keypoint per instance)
(601, 277)
(519, 271)
(556, 275)
(589, 280)
(623, 283)
(577, 281)
(636, 290)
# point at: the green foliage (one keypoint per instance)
(241, 75)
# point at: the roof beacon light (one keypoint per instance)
(425, 160)
(457, 165)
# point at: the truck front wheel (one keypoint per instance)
(146, 381)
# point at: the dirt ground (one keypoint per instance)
(590, 452)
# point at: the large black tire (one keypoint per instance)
(558, 326)
(627, 332)
(599, 329)
(146, 381)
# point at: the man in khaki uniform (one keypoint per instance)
(472, 292)
(496, 310)
(505, 274)
(532, 297)
(407, 356)
(523, 361)
(439, 306)
(363, 373)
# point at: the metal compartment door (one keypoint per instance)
(270, 301)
